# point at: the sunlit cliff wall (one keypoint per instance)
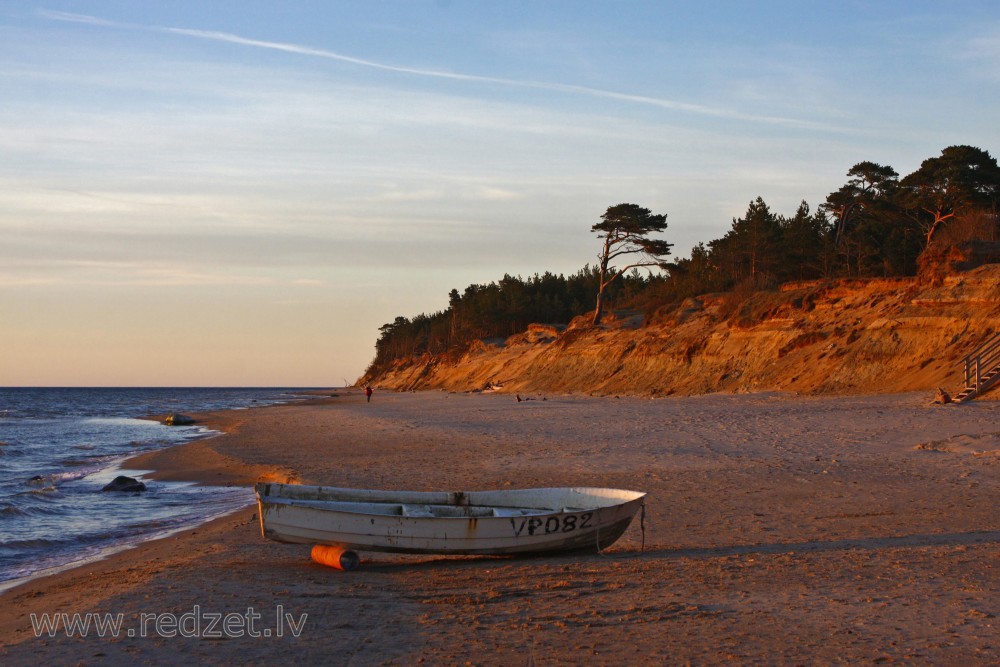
(819, 337)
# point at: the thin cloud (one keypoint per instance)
(299, 49)
(71, 17)
(984, 49)
(78, 272)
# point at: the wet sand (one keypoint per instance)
(779, 530)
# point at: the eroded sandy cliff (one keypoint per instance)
(818, 337)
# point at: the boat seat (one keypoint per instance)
(417, 511)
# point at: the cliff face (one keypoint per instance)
(818, 337)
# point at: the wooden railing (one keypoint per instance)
(982, 368)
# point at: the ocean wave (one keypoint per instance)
(30, 505)
(36, 543)
(7, 509)
(53, 539)
(53, 479)
(41, 490)
(97, 462)
(48, 482)
(72, 463)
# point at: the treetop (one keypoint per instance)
(630, 219)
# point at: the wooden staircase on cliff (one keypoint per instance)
(982, 370)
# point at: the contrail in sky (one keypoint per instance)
(439, 74)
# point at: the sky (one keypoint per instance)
(240, 193)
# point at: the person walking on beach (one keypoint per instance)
(368, 392)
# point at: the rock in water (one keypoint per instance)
(178, 420)
(123, 484)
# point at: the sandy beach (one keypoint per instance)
(780, 529)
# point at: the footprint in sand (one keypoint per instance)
(984, 444)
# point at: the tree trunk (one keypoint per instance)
(602, 282)
(599, 312)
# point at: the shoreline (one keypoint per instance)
(196, 461)
(779, 529)
(193, 461)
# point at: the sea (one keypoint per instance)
(60, 446)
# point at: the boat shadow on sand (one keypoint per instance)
(394, 562)
(822, 546)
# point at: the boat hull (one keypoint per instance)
(479, 523)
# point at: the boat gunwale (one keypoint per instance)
(421, 510)
(599, 497)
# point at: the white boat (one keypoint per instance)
(474, 522)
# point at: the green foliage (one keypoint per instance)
(960, 179)
(760, 247)
(494, 310)
(626, 228)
